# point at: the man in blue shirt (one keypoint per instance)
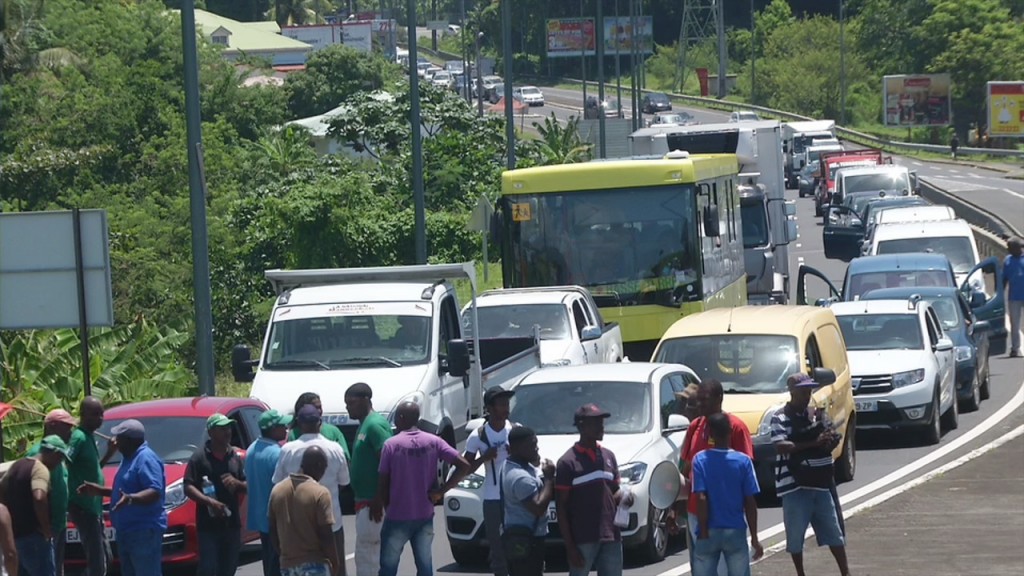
(137, 513)
(260, 462)
(724, 484)
(1013, 280)
(526, 498)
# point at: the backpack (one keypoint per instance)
(481, 433)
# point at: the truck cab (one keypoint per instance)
(796, 138)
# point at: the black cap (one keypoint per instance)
(590, 411)
(495, 392)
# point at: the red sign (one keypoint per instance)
(702, 77)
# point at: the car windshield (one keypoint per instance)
(861, 284)
(174, 439)
(873, 210)
(888, 181)
(957, 248)
(658, 98)
(948, 311)
(881, 332)
(815, 155)
(549, 408)
(516, 321)
(531, 90)
(329, 336)
(670, 119)
(811, 168)
(744, 363)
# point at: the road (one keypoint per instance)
(879, 457)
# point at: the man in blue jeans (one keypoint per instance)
(137, 513)
(260, 462)
(724, 484)
(407, 490)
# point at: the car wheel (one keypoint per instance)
(973, 402)
(656, 544)
(468, 554)
(932, 433)
(985, 392)
(847, 465)
(951, 419)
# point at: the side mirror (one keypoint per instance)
(823, 302)
(981, 326)
(458, 358)
(790, 208)
(824, 376)
(590, 333)
(242, 363)
(978, 299)
(711, 222)
(943, 345)
(676, 423)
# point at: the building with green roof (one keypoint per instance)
(256, 39)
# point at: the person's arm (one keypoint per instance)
(10, 551)
(281, 470)
(324, 530)
(740, 439)
(536, 501)
(563, 488)
(383, 497)
(451, 456)
(193, 484)
(152, 476)
(476, 454)
(40, 484)
(684, 454)
(750, 509)
(701, 494)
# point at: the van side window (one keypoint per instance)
(812, 353)
(832, 345)
(580, 317)
(934, 332)
(449, 325)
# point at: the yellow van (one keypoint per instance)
(752, 350)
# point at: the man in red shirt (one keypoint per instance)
(698, 438)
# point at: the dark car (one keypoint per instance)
(655, 102)
(807, 178)
(969, 335)
(847, 223)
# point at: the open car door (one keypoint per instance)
(801, 287)
(988, 301)
(842, 237)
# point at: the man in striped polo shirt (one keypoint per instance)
(804, 440)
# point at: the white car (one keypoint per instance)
(529, 95)
(441, 79)
(902, 366)
(643, 431)
(744, 116)
(428, 74)
(953, 238)
(422, 67)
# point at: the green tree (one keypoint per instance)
(561, 144)
(334, 74)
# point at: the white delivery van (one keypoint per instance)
(952, 238)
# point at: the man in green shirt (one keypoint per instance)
(329, 431)
(60, 423)
(84, 465)
(374, 429)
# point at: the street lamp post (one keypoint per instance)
(842, 63)
(753, 54)
(618, 58)
(506, 48)
(417, 144)
(599, 28)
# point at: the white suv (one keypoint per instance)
(902, 366)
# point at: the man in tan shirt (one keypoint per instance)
(301, 520)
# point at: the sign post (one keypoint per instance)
(480, 221)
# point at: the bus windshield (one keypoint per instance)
(627, 245)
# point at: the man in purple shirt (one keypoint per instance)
(407, 489)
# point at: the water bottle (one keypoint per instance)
(210, 491)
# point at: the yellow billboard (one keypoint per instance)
(1006, 109)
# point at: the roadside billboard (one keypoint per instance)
(355, 35)
(571, 37)
(1006, 109)
(917, 100)
(621, 30)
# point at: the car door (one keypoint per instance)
(990, 309)
(943, 358)
(801, 287)
(244, 432)
(842, 237)
(591, 353)
(978, 335)
(670, 384)
(454, 392)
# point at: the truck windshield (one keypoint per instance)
(888, 181)
(755, 223)
(543, 407)
(633, 245)
(744, 363)
(517, 321)
(881, 332)
(957, 248)
(324, 337)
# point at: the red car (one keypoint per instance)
(175, 427)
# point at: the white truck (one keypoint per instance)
(567, 318)
(394, 328)
(796, 137)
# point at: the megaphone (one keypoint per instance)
(665, 483)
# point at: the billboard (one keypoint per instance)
(354, 35)
(1005, 109)
(621, 30)
(917, 100)
(571, 37)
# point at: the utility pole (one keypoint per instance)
(723, 55)
(507, 56)
(599, 29)
(197, 200)
(465, 52)
(479, 75)
(842, 64)
(433, 33)
(583, 67)
(634, 93)
(618, 58)
(753, 54)
(417, 143)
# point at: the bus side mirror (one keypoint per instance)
(711, 229)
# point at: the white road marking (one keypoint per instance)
(799, 245)
(1012, 193)
(1015, 403)
(951, 171)
(973, 175)
(916, 163)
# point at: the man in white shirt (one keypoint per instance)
(308, 422)
(488, 445)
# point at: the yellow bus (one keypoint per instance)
(653, 240)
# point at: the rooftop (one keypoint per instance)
(747, 320)
(247, 36)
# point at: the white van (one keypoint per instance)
(908, 214)
(953, 238)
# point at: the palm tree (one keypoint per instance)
(23, 37)
(561, 144)
(285, 151)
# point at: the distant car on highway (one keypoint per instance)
(593, 108)
(442, 79)
(529, 95)
(655, 102)
(806, 178)
(744, 116)
(673, 118)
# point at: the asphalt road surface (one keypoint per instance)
(879, 457)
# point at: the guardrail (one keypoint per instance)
(859, 137)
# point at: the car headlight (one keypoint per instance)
(471, 482)
(963, 353)
(175, 496)
(901, 379)
(632, 473)
(764, 429)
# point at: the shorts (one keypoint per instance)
(805, 507)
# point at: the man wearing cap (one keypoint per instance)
(84, 466)
(488, 445)
(218, 525)
(588, 493)
(60, 423)
(336, 476)
(137, 496)
(374, 430)
(24, 489)
(804, 441)
(260, 462)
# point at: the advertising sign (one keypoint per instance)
(622, 32)
(918, 100)
(1006, 109)
(354, 35)
(571, 37)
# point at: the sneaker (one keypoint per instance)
(1016, 354)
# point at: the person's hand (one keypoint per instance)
(575, 557)
(122, 501)
(89, 489)
(491, 454)
(376, 511)
(218, 508)
(230, 482)
(758, 550)
(671, 521)
(111, 446)
(547, 467)
(436, 496)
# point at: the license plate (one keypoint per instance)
(865, 406)
(552, 514)
(73, 537)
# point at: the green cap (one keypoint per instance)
(218, 420)
(53, 443)
(272, 418)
